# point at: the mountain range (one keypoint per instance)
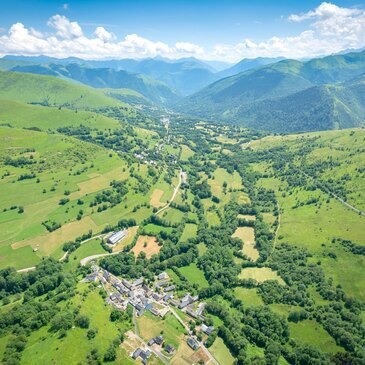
(288, 96)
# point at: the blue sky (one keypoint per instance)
(236, 28)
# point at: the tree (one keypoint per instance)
(82, 321)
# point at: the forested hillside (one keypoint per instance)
(294, 93)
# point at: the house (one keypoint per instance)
(159, 340)
(167, 297)
(151, 342)
(169, 349)
(91, 277)
(174, 302)
(138, 282)
(200, 308)
(162, 276)
(154, 312)
(136, 353)
(186, 300)
(161, 284)
(169, 288)
(116, 237)
(193, 343)
(207, 329)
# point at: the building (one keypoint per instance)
(137, 282)
(169, 349)
(162, 276)
(136, 353)
(207, 329)
(158, 340)
(186, 300)
(169, 288)
(116, 237)
(193, 343)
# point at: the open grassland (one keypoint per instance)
(186, 152)
(45, 347)
(156, 196)
(148, 245)
(223, 184)
(247, 236)
(150, 326)
(249, 297)
(314, 227)
(202, 248)
(190, 231)
(260, 274)
(92, 247)
(343, 148)
(23, 115)
(194, 275)
(50, 91)
(59, 167)
(308, 330)
(221, 353)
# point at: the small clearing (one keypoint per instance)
(260, 274)
(248, 217)
(247, 235)
(148, 244)
(156, 198)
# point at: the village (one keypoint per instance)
(159, 299)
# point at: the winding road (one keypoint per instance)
(182, 175)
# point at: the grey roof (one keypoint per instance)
(117, 236)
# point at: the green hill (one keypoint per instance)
(23, 115)
(51, 91)
(288, 96)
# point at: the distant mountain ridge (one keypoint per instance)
(153, 90)
(287, 96)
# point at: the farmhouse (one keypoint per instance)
(116, 237)
(193, 343)
(207, 329)
(169, 349)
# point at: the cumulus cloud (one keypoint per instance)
(104, 35)
(329, 29)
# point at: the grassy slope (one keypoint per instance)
(314, 226)
(51, 91)
(79, 167)
(22, 115)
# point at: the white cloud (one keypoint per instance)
(65, 6)
(65, 28)
(104, 35)
(328, 29)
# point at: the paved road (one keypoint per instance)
(63, 258)
(177, 187)
(85, 260)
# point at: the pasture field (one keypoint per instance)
(92, 247)
(51, 91)
(186, 152)
(247, 236)
(21, 115)
(59, 167)
(202, 248)
(155, 229)
(150, 326)
(260, 274)
(249, 297)
(156, 196)
(194, 275)
(45, 347)
(221, 353)
(172, 215)
(305, 331)
(148, 245)
(190, 231)
(327, 220)
(222, 177)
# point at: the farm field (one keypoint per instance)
(194, 275)
(247, 236)
(260, 274)
(75, 346)
(150, 326)
(148, 245)
(248, 296)
(221, 352)
(190, 231)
